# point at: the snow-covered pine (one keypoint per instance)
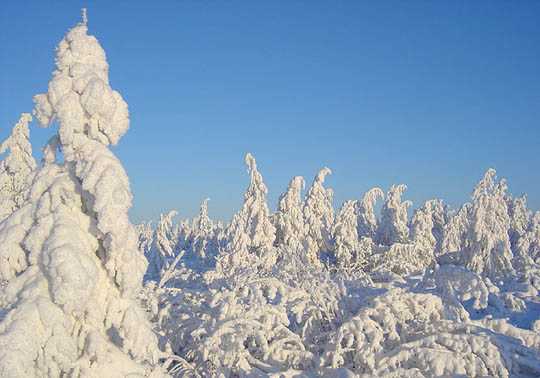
(17, 168)
(393, 227)
(367, 220)
(70, 302)
(349, 256)
(318, 217)
(251, 233)
(289, 220)
(489, 253)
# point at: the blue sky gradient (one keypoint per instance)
(429, 94)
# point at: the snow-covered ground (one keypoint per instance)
(300, 292)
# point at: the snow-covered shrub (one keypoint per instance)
(401, 259)
(17, 168)
(457, 285)
(407, 334)
(71, 299)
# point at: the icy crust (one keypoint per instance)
(73, 269)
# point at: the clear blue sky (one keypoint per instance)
(427, 93)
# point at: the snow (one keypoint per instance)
(298, 292)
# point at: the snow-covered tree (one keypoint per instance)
(146, 237)
(456, 231)
(520, 218)
(426, 223)
(164, 246)
(367, 220)
(203, 239)
(289, 219)
(393, 227)
(489, 253)
(528, 246)
(251, 232)
(349, 255)
(318, 217)
(202, 224)
(72, 286)
(17, 168)
(422, 225)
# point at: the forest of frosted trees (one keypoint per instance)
(302, 291)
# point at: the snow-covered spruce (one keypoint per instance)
(70, 301)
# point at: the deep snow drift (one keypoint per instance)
(300, 292)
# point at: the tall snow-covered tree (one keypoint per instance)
(17, 168)
(251, 232)
(289, 219)
(489, 253)
(318, 217)
(72, 290)
(367, 220)
(393, 227)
